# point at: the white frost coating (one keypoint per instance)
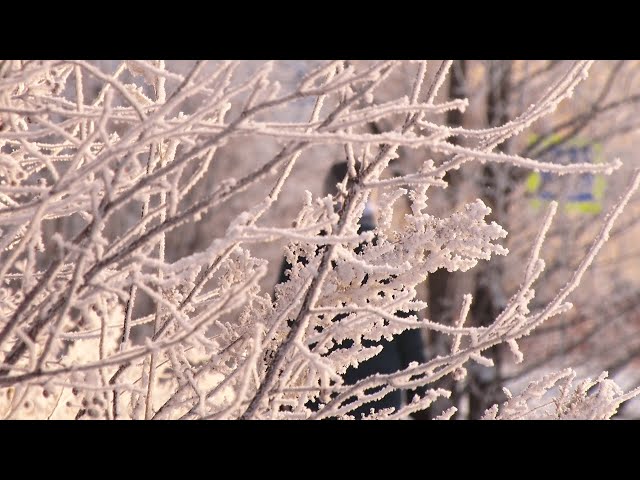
(571, 402)
(132, 156)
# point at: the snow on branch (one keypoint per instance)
(97, 168)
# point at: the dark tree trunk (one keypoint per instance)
(439, 301)
(442, 288)
(484, 383)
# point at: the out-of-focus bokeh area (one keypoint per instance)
(600, 122)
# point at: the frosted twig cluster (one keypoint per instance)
(573, 402)
(220, 346)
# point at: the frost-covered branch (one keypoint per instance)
(99, 169)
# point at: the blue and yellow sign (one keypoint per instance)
(581, 193)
